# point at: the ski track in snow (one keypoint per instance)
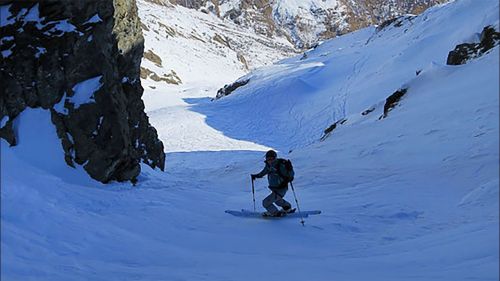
(413, 196)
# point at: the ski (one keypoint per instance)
(252, 214)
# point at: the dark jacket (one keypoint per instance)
(274, 179)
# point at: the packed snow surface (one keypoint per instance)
(412, 196)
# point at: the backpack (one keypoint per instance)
(288, 168)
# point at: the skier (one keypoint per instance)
(275, 171)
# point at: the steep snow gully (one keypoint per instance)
(407, 195)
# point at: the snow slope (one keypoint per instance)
(413, 196)
(346, 76)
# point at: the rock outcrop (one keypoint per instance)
(393, 100)
(228, 89)
(80, 60)
(467, 51)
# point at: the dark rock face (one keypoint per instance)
(332, 127)
(228, 89)
(80, 60)
(394, 22)
(392, 101)
(465, 52)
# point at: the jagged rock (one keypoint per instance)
(153, 57)
(145, 73)
(368, 111)
(160, 2)
(192, 4)
(80, 60)
(170, 78)
(332, 127)
(392, 101)
(467, 51)
(169, 30)
(243, 61)
(394, 22)
(7, 133)
(228, 89)
(221, 40)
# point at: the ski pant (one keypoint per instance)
(276, 197)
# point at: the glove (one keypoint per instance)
(253, 177)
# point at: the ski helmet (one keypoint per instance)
(271, 153)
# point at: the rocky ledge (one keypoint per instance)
(80, 60)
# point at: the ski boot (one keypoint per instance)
(275, 215)
(288, 211)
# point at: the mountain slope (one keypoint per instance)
(304, 22)
(188, 47)
(344, 77)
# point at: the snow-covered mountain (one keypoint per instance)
(216, 41)
(186, 46)
(395, 139)
(304, 22)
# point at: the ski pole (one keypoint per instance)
(297, 202)
(253, 193)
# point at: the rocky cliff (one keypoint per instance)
(80, 60)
